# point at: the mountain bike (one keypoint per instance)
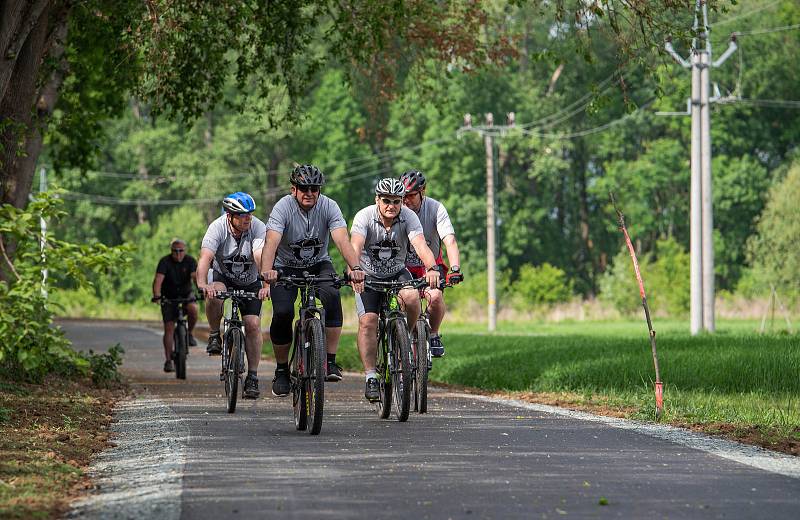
(180, 338)
(395, 359)
(233, 345)
(308, 356)
(420, 346)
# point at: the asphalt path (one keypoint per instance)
(467, 458)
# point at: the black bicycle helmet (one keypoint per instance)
(307, 175)
(413, 180)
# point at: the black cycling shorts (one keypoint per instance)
(370, 301)
(169, 312)
(247, 307)
(283, 298)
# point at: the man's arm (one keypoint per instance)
(203, 265)
(340, 238)
(258, 256)
(452, 250)
(357, 240)
(267, 264)
(157, 282)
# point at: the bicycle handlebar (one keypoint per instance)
(236, 295)
(389, 285)
(312, 279)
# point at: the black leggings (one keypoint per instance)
(280, 330)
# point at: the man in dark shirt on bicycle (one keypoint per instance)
(175, 275)
(298, 230)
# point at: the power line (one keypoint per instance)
(768, 30)
(745, 14)
(778, 103)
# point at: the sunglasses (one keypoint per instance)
(393, 202)
(178, 250)
(306, 189)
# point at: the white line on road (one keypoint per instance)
(753, 456)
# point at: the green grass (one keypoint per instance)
(735, 376)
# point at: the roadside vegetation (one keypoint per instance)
(734, 383)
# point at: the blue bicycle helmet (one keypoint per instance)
(239, 203)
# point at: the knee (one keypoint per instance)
(368, 322)
(252, 325)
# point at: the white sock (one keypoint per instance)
(370, 374)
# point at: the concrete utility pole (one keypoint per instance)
(701, 211)
(489, 131)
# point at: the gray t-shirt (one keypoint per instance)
(234, 258)
(384, 253)
(436, 225)
(305, 235)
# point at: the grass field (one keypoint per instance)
(733, 381)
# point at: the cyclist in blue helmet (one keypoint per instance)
(231, 250)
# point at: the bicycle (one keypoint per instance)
(395, 359)
(422, 353)
(180, 337)
(308, 356)
(233, 345)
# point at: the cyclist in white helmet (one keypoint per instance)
(381, 235)
(232, 249)
(438, 230)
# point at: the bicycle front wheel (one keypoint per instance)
(297, 370)
(401, 357)
(316, 372)
(234, 342)
(180, 346)
(421, 354)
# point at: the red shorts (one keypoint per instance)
(418, 271)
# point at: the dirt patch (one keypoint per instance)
(775, 439)
(48, 435)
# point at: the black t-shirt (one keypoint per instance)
(177, 276)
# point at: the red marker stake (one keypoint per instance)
(659, 389)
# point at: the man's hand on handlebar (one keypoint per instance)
(155, 299)
(270, 276)
(208, 290)
(263, 293)
(357, 279)
(432, 277)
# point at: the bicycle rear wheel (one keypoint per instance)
(234, 343)
(401, 356)
(421, 366)
(180, 345)
(382, 370)
(315, 372)
(297, 373)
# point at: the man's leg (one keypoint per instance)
(253, 344)
(411, 306)
(191, 315)
(214, 316)
(436, 310)
(280, 332)
(168, 340)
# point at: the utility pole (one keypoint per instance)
(43, 228)
(489, 131)
(701, 246)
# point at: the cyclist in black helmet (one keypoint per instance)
(438, 230)
(232, 250)
(298, 230)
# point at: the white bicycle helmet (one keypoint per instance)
(390, 187)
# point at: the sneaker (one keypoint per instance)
(437, 349)
(250, 388)
(373, 390)
(192, 341)
(334, 372)
(280, 383)
(214, 347)
(168, 367)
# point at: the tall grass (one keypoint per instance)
(734, 376)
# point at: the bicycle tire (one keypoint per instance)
(402, 358)
(383, 373)
(316, 360)
(421, 366)
(296, 374)
(180, 345)
(234, 344)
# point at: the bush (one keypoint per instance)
(105, 367)
(666, 280)
(32, 347)
(543, 285)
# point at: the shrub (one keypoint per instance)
(32, 346)
(542, 285)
